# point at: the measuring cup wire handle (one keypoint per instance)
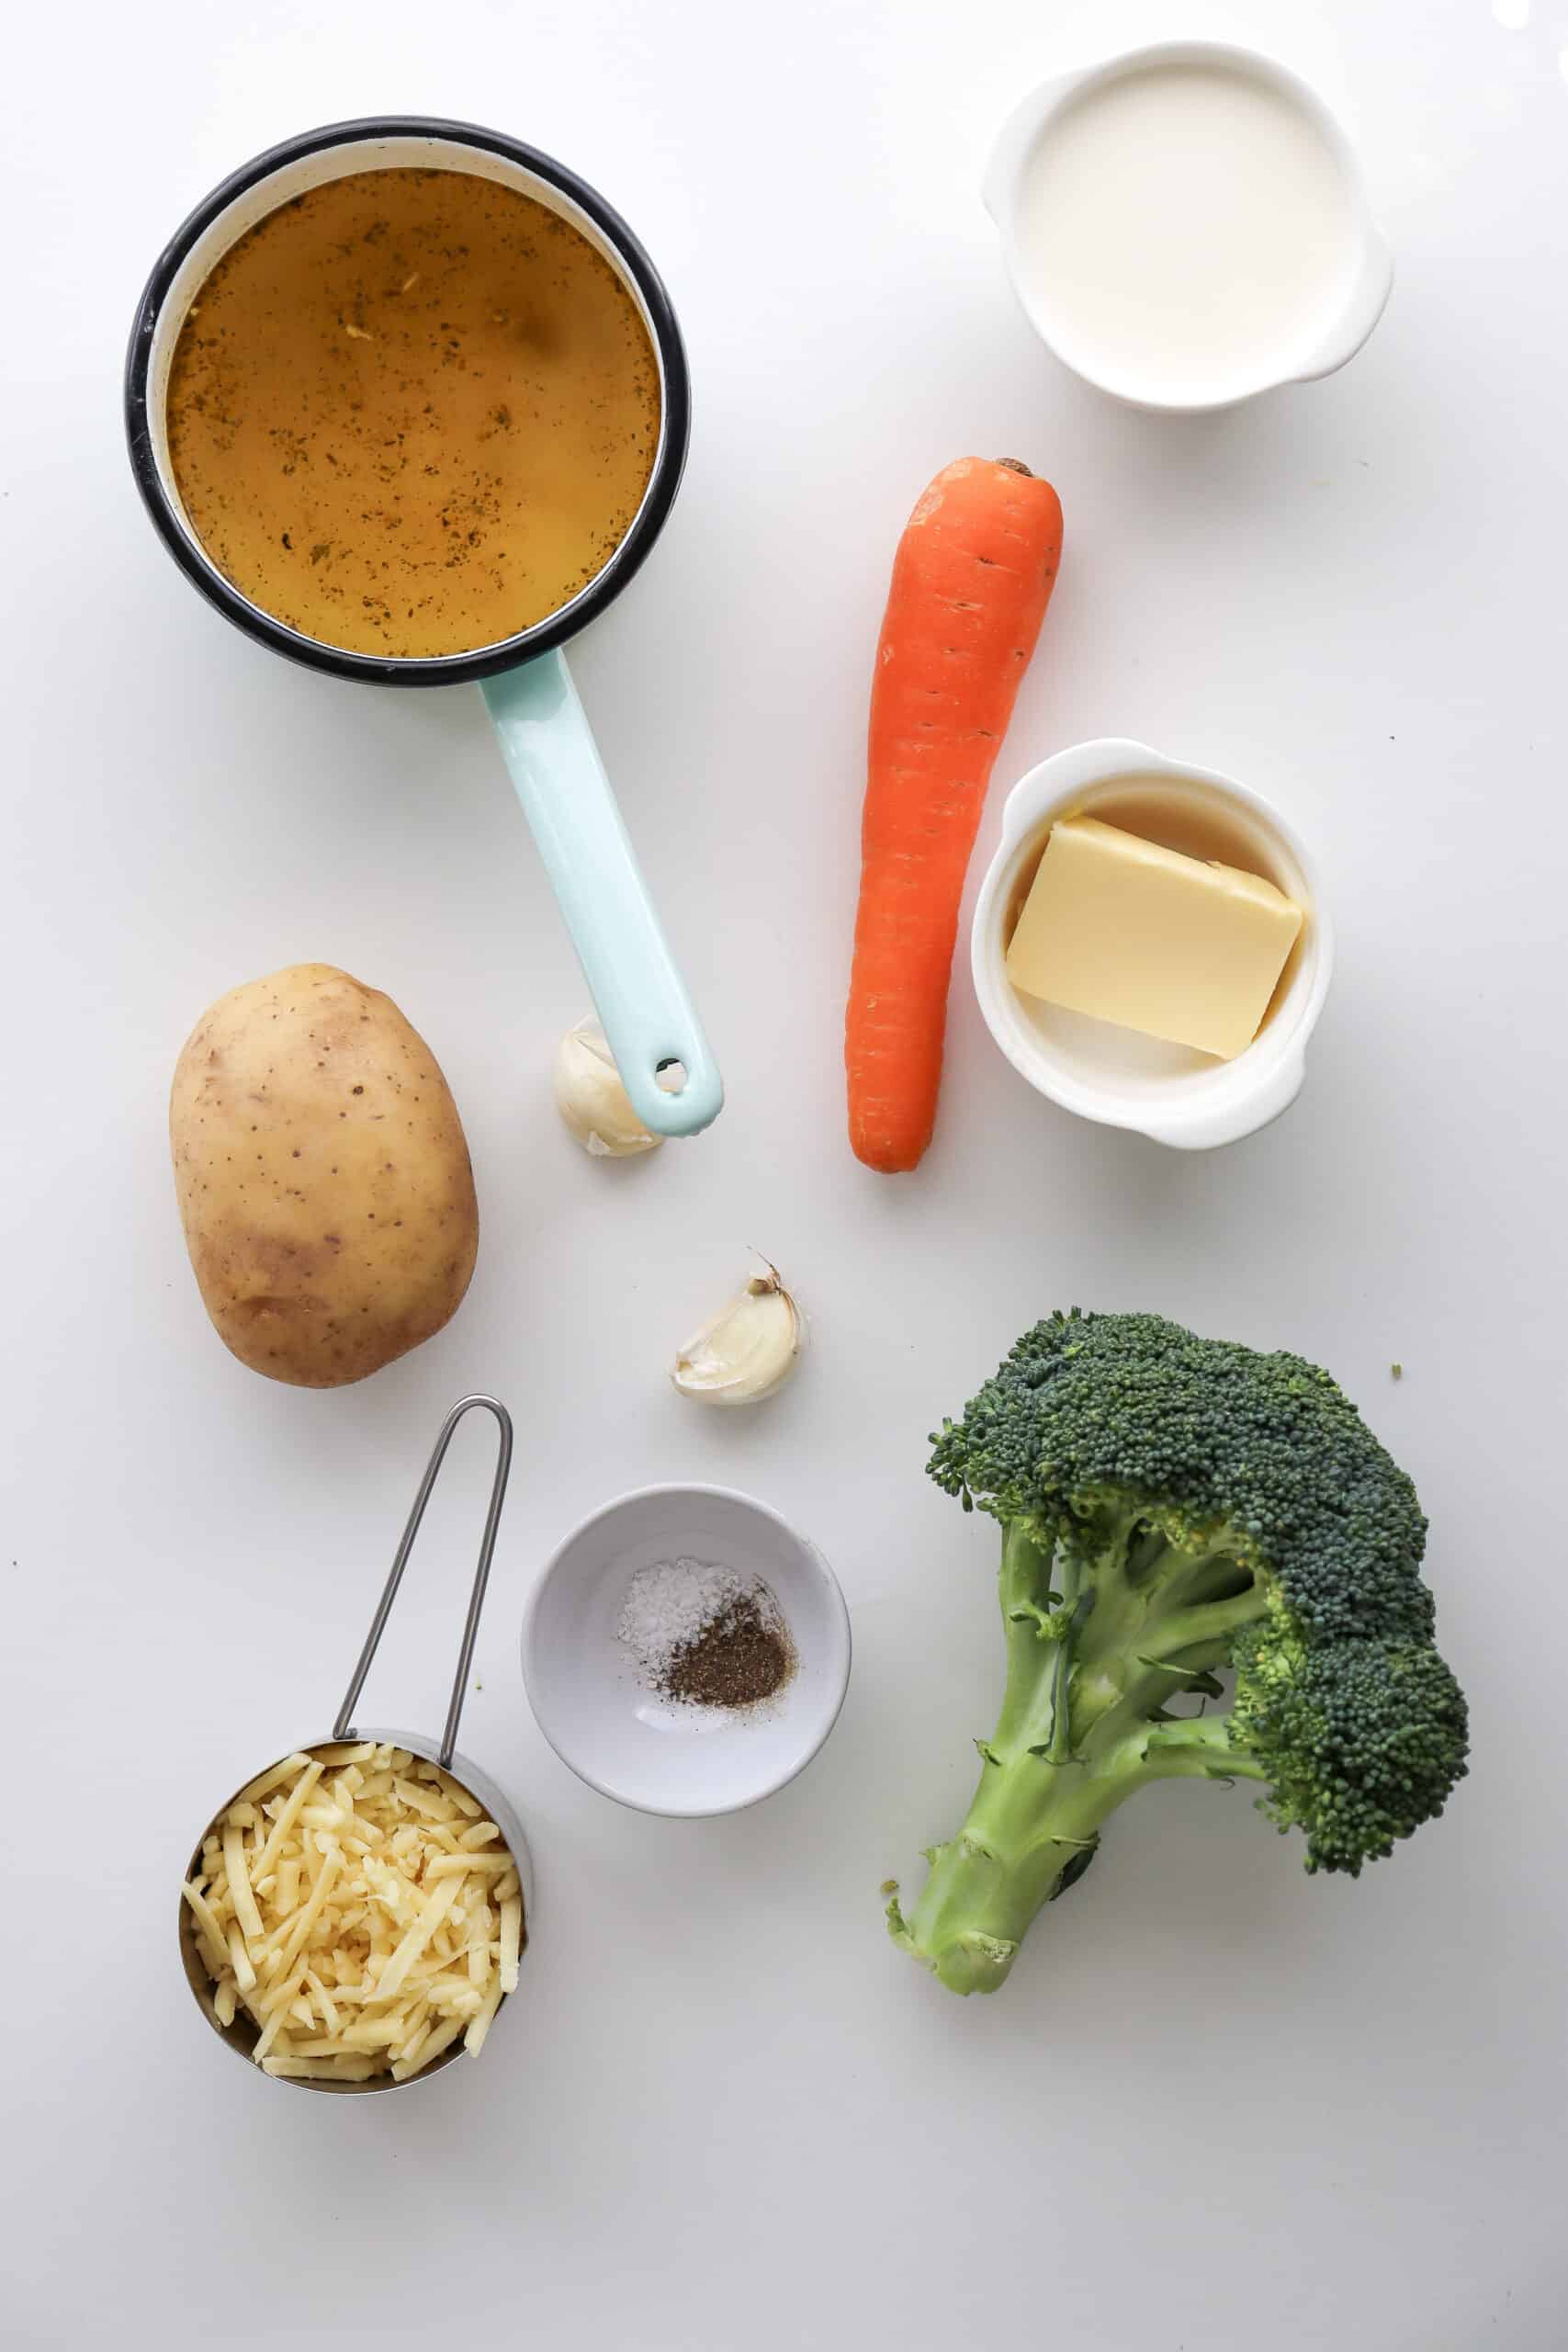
(342, 1729)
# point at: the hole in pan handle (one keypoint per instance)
(343, 1728)
(648, 1017)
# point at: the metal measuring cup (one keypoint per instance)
(242, 2034)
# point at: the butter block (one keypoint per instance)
(1119, 928)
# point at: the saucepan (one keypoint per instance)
(544, 737)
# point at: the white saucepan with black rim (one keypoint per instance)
(648, 1018)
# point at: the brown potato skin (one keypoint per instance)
(324, 1178)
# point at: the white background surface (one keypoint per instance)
(1219, 2105)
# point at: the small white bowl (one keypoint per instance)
(1326, 343)
(585, 1688)
(1102, 1071)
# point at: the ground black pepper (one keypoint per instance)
(741, 1658)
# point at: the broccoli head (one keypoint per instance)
(1171, 1508)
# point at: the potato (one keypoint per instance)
(324, 1178)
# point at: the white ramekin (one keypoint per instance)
(1168, 1092)
(1328, 347)
(583, 1686)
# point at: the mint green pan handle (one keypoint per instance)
(641, 999)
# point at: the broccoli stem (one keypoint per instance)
(1030, 1819)
(1090, 1663)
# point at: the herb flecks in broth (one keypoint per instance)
(412, 412)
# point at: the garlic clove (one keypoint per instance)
(747, 1350)
(593, 1104)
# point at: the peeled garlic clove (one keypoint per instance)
(748, 1349)
(592, 1100)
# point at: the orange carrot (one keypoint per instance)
(971, 581)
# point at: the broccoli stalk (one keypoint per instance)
(1092, 1661)
(1171, 1506)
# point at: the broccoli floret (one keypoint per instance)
(1172, 1507)
(1361, 1740)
